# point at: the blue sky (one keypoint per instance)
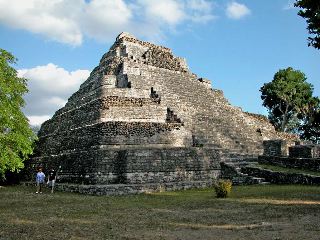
(238, 45)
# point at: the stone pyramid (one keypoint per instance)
(141, 122)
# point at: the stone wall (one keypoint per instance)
(111, 165)
(146, 113)
(282, 177)
(277, 147)
(305, 151)
(114, 133)
(301, 163)
(124, 189)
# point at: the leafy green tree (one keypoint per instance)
(310, 130)
(16, 137)
(287, 98)
(311, 12)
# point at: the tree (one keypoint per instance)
(287, 98)
(16, 137)
(310, 130)
(311, 12)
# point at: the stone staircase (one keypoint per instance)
(172, 117)
(232, 165)
(222, 129)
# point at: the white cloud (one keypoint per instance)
(236, 10)
(53, 78)
(103, 19)
(200, 10)
(166, 11)
(38, 120)
(48, 18)
(57, 101)
(49, 88)
(70, 21)
(200, 5)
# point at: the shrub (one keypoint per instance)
(223, 188)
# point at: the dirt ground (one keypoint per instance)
(252, 212)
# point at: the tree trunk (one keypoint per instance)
(284, 119)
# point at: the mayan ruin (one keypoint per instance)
(144, 122)
(159, 120)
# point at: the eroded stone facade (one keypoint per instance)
(143, 118)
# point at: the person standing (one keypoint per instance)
(52, 176)
(40, 178)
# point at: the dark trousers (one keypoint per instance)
(39, 187)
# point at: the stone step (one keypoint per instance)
(258, 180)
(280, 177)
(233, 171)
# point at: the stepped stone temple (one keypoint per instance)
(143, 122)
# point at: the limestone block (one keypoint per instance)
(109, 81)
(205, 82)
(127, 69)
(305, 151)
(277, 147)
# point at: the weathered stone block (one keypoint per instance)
(276, 147)
(304, 151)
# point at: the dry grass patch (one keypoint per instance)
(224, 226)
(251, 212)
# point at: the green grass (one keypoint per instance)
(251, 212)
(287, 170)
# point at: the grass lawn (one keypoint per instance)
(252, 212)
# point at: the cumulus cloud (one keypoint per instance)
(49, 88)
(200, 5)
(237, 10)
(53, 79)
(48, 18)
(38, 120)
(70, 21)
(102, 19)
(200, 11)
(166, 11)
